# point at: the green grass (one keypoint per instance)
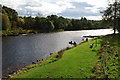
(110, 56)
(77, 62)
(80, 61)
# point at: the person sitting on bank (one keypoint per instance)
(87, 39)
(74, 44)
(70, 42)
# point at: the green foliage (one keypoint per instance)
(51, 26)
(82, 24)
(16, 32)
(28, 22)
(52, 18)
(12, 14)
(43, 24)
(6, 25)
(21, 22)
(108, 62)
(37, 22)
(109, 13)
(112, 15)
(46, 24)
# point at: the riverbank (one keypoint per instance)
(16, 32)
(108, 63)
(78, 62)
(20, 31)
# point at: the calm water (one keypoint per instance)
(20, 51)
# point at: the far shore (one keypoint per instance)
(27, 32)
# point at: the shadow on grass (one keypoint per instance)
(95, 50)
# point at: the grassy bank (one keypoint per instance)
(102, 61)
(76, 62)
(108, 64)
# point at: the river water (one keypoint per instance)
(20, 51)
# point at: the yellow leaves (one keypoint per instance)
(21, 20)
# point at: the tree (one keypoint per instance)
(63, 22)
(50, 26)
(83, 18)
(12, 15)
(29, 22)
(112, 14)
(46, 25)
(21, 22)
(52, 17)
(43, 24)
(37, 23)
(118, 25)
(6, 25)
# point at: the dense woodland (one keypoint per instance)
(12, 23)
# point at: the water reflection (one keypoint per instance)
(20, 51)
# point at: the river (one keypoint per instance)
(20, 51)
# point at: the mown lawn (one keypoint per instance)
(75, 63)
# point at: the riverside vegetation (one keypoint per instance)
(102, 61)
(13, 24)
(79, 62)
(108, 63)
